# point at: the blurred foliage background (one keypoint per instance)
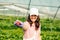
(50, 29)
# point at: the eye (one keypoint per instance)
(34, 15)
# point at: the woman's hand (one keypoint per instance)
(18, 23)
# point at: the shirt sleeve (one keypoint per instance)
(25, 26)
(39, 29)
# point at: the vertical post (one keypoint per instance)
(56, 12)
(29, 4)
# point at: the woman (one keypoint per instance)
(31, 26)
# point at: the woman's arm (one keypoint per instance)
(39, 32)
(21, 24)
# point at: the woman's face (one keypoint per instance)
(33, 18)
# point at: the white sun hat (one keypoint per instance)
(33, 11)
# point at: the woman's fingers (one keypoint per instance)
(18, 23)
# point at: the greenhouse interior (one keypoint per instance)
(12, 10)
